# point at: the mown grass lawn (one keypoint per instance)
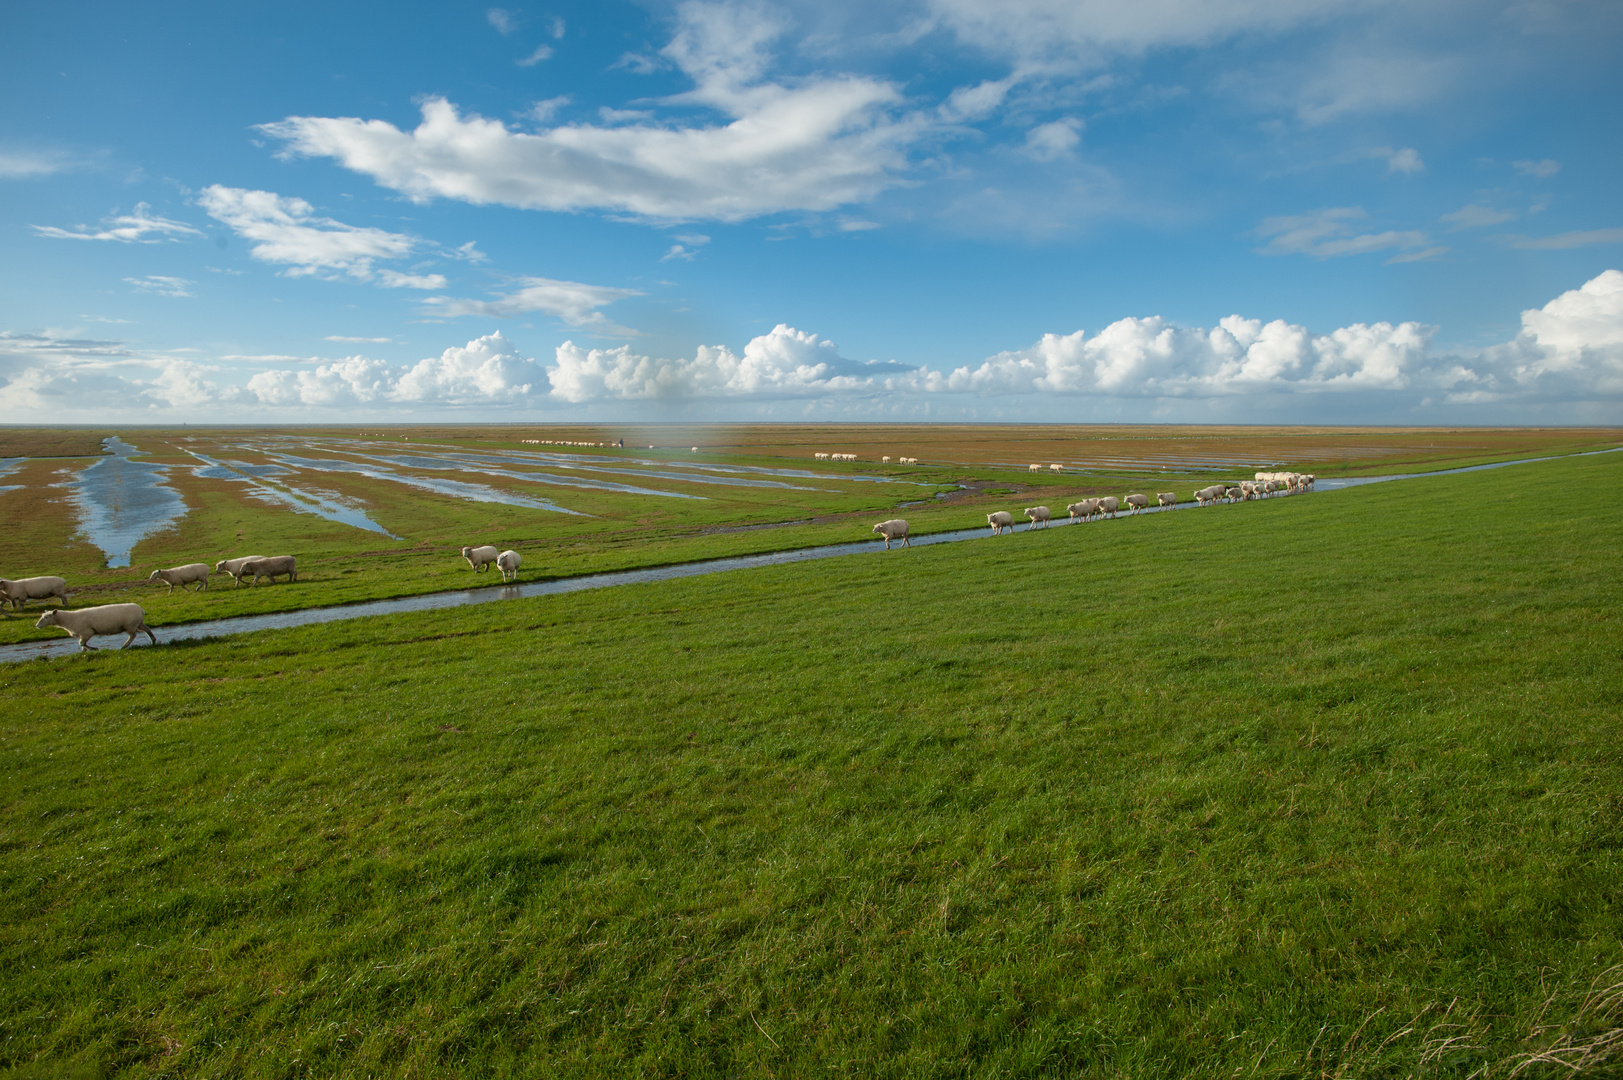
(1318, 786)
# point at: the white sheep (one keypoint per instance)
(885, 458)
(820, 456)
(508, 562)
(1138, 502)
(234, 566)
(894, 529)
(183, 576)
(1233, 494)
(1056, 468)
(1084, 509)
(1166, 498)
(1109, 505)
(1034, 468)
(86, 623)
(271, 567)
(1036, 514)
(18, 592)
(999, 521)
(481, 557)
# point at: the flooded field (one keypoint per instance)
(374, 516)
(123, 500)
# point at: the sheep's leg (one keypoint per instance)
(149, 633)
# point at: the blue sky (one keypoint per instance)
(1222, 211)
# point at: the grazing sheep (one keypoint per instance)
(1138, 502)
(86, 623)
(508, 563)
(1036, 514)
(1109, 505)
(234, 566)
(894, 529)
(480, 557)
(1084, 509)
(999, 521)
(183, 576)
(22, 590)
(1166, 498)
(272, 568)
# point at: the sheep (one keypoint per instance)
(480, 557)
(1209, 494)
(1036, 514)
(894, 529)
(1166, 498)
(234, 566)
(508, 563)
(86, 623)
(1056, 468)
(820, 456)
(1233, 494)
(1084, 509)
(885, 458)
(183, 576)
(18, 592)
(1034, 468)
(999, 521)
(1109, 505)
(271, 568)
(1138, 502)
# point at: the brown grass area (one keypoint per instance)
(51, 442)
(1105, 447)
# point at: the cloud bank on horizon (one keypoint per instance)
(1568, 351)
(608, 187)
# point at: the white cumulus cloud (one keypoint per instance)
(784, 363)
(817, 143)
(287, 231)
(486, 371)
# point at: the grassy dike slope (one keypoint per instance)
(1278, 788)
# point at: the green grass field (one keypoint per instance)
(1316, 787)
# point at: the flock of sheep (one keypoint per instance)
(1264, 485)
(130, 619)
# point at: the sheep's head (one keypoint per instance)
(219, 567)
(47, 619)
(154, 576)
(466, 552)
(879, 528)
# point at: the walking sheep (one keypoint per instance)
(1109, 505)
(508, 563)
(234, 566)
(1084, 509)
(86, 623)
(272, 568)
(19, 592)
(894, 529)
(481, 557)
(1138, 502)
(183, 576)
(999, 521)
(1036, 514)
(1166, 498)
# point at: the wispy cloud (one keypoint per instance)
(502, 20)
(391, 279)
(1476, 216)
(161, 285)
(1562, 241)
(359, 340)
(1405, 160)
(141, 226)
(570, 302)
(1543, 170)
(1332, 232)
(542, 52)
(32, 164)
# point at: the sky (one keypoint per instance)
(1201, 211)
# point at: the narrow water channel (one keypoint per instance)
(244, 624)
